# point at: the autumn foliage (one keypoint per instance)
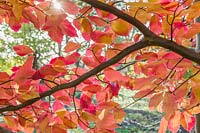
(155, 38)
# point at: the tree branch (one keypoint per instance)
(102, 66)
(120, 14)
(149, 35)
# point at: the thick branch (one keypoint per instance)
(183, 51)
(155, 40)
(85, 76)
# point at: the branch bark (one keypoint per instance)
(149, 35)
(102, 66)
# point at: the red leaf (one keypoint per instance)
(155, 24)
(57, 105)
(97, 20)
(14, 23)
(114, 88)
(22, 50)
(4, 76)
(143, 93)
(55, 34)
(147, 55)
(71, 59)
(92, 88)
(47, 70)
(113, 75)
(67, 28)
(25, 71)
(187, 121)
(85, 101)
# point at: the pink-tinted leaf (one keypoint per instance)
(85, 101)
(69, 6)
(57, 105)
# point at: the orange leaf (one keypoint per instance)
(155, 100)
(69, 123)
(56, 129)
(102, 37)
(22, 50)
(59, 66)
(106, 120)
(163, 125)
(4, 76)
(71, 46)
(174, 122)
(121, 27)
(165, 26)
(119, 115)
(85, 28)
(11, 122)
(169, 105)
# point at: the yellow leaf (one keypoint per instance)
(165, 25)
(10, 121)
(17, 8)
(30, 95)
(69, 123)
(85, 25)
(61, 113)
(196, 91)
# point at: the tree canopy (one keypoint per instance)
(103, 46)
